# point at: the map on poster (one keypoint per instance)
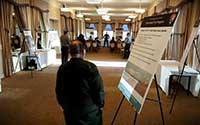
(143, 61)
(29, 42)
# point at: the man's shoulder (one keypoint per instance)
(89, 64)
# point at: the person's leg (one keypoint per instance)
(62, 55)
(67, 54)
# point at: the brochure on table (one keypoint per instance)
(143, 61)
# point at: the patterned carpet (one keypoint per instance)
(27, 100)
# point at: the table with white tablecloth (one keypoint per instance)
(44, 56)
(168, 68)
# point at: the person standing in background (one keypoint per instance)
(83, 41)
(128, 42)
(79, 89)
(39, 38)
(106, 38)
(64, 40)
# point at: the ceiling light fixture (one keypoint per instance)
(132, 16)
(88, 19)
(139, 10)
(79, 14)
(128, 20)
(64, 8)
(105, 17)
(93, 1)
(102, 11)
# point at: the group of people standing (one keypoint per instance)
(65, 44)
(79, 86)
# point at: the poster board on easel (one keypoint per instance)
(29, 42)
(145, 56)
(32, 55)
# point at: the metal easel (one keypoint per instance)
(136, 114)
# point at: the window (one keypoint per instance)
(92, 26)
(109, 30)
(125, 31)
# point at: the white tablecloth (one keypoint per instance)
(45, 58)
(169, 67)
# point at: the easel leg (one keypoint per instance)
(196, 49)
(174, 98)
(135, 118)
(38, 62)
(16, 65)
(117, 110)
(158, 94)
(177, 88)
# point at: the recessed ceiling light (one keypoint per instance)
(93, 1)
(128, 19)
(132, 16)
(102, 11)
(87, 19)
(65, 9)
(79, 15)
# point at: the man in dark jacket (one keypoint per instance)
(64, 40)
(79, 89)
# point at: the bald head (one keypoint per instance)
(76, 49)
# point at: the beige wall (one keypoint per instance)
(54, 13)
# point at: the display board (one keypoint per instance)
(53, 39)
(29, 42)
(193, 34)
(145, 56)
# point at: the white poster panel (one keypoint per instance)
(188, 46)
(143, 61)
(53, 39)
(29, 42)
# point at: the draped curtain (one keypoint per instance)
(180, 34)
(113, 26)
(69, 26)
(97, 28)
(44, 28)
(24, 11)
(120, 25)
(103, 27)
(63, 23)
(5, 21)
(35, 22)
(87, 24)
(194, 55)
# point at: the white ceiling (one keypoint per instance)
(120, 8)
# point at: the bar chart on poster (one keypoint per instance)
(143, 61)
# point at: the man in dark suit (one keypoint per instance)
(79, 89)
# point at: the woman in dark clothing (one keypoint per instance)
(82, 39)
